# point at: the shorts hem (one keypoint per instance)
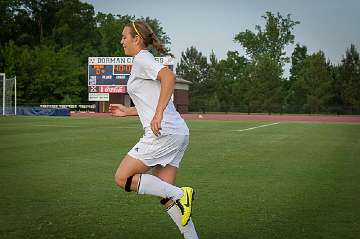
(146, 162)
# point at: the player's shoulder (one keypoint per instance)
(144, 57)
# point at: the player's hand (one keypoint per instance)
(156, 124)
(118, 110)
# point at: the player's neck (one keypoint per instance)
(138, 50)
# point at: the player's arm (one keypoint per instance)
(121, 110)
(131, 111)
(167, 81)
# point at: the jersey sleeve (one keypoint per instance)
(147, 68)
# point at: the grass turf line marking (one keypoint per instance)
(260, 126)
(48, 125)
(77, 126)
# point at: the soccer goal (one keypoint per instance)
(8, 95)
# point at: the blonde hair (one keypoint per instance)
(145, 32)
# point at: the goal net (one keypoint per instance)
(8, 95)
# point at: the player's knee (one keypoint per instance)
(120, 180)
(124, 181)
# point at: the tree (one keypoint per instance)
(297, 59)
(76, 28)
(46, 44)
(210, 86)
(266, 49)
(193, 67)
(336, 102)
(268, 74)
(231, 81)
(315, 82)
(295, 99)
(349, 76)
(56, 76)
(8, 25)
(272, 40)
(263, 85)
(110, 29)
(9, 54)
(43, 75)
(42, 16)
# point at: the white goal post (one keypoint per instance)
(8, 95)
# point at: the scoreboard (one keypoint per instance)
(110, 75)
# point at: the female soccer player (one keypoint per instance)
(166, 135)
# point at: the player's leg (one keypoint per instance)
(130, 176)
(128, 173)
(168, 174)
(185, 202)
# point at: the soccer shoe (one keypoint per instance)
(185, 204)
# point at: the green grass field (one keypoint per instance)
(291, 180)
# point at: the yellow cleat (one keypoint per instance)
(185, 204)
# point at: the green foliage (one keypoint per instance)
(193, 67)
(109, 28)
(43, 75)
(268, 81)
(46, 44)
(75, 27)
(313, 84)
(295, 98)
(350, 79)
(9, 53)
(214, 85)
(262, 83)
(270, 41)
(228, 79)
(297, 59)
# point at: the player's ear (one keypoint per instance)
(137, 40)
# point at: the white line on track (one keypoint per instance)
(260, 126)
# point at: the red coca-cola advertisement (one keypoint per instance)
(111, 89)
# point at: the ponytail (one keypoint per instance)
(158, 46)
(145, 32)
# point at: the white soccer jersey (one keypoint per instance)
(144, 90)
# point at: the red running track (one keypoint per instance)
(263, 117)
(257, 117)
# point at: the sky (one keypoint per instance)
(327, 25)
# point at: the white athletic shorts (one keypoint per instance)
(160, 150)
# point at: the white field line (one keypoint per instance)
(260, 126)
(124, 127)
(54, 125)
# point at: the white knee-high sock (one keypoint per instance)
(151, 185)
(188, 231)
